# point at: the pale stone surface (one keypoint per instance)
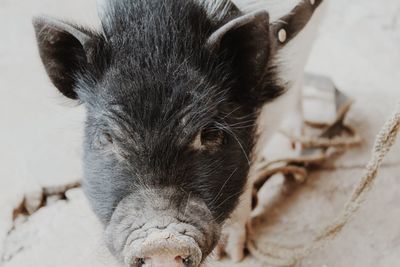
(41, 134)
(64, 234)
(40, 131)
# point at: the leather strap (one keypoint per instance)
(287, 27)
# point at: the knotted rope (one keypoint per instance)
(280, 256)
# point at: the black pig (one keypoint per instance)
(174, 90)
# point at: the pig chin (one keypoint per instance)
(161, 227)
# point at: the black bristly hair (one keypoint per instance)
(163, 109)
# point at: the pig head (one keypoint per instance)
(172, 90)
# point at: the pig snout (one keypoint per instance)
(165, 249)
(160, 228)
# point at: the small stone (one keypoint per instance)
(74, 194)
(50, 200)
(282, 35)
(59, 189)
(33, 201)
(19, 220)
(312, 2)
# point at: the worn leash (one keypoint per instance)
(315, 150)
(284, 30)
(280, 256)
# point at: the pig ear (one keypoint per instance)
(246, 39)
(63, 50)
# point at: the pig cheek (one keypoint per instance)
(120, 229)
(227, 195)
(105, 184)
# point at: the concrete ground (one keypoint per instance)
(40, 138)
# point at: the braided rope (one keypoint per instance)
(280, 256)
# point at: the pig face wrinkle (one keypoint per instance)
(186, 221)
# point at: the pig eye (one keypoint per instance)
(212, 137)
(209, 138)
(107, 139)
(103, 140)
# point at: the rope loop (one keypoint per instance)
(279, 256)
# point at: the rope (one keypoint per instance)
(296, 166)
(281, 256)
(341, 141)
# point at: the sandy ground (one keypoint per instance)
(40, 138)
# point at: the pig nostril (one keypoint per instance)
(140, 262)
(186, 261)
